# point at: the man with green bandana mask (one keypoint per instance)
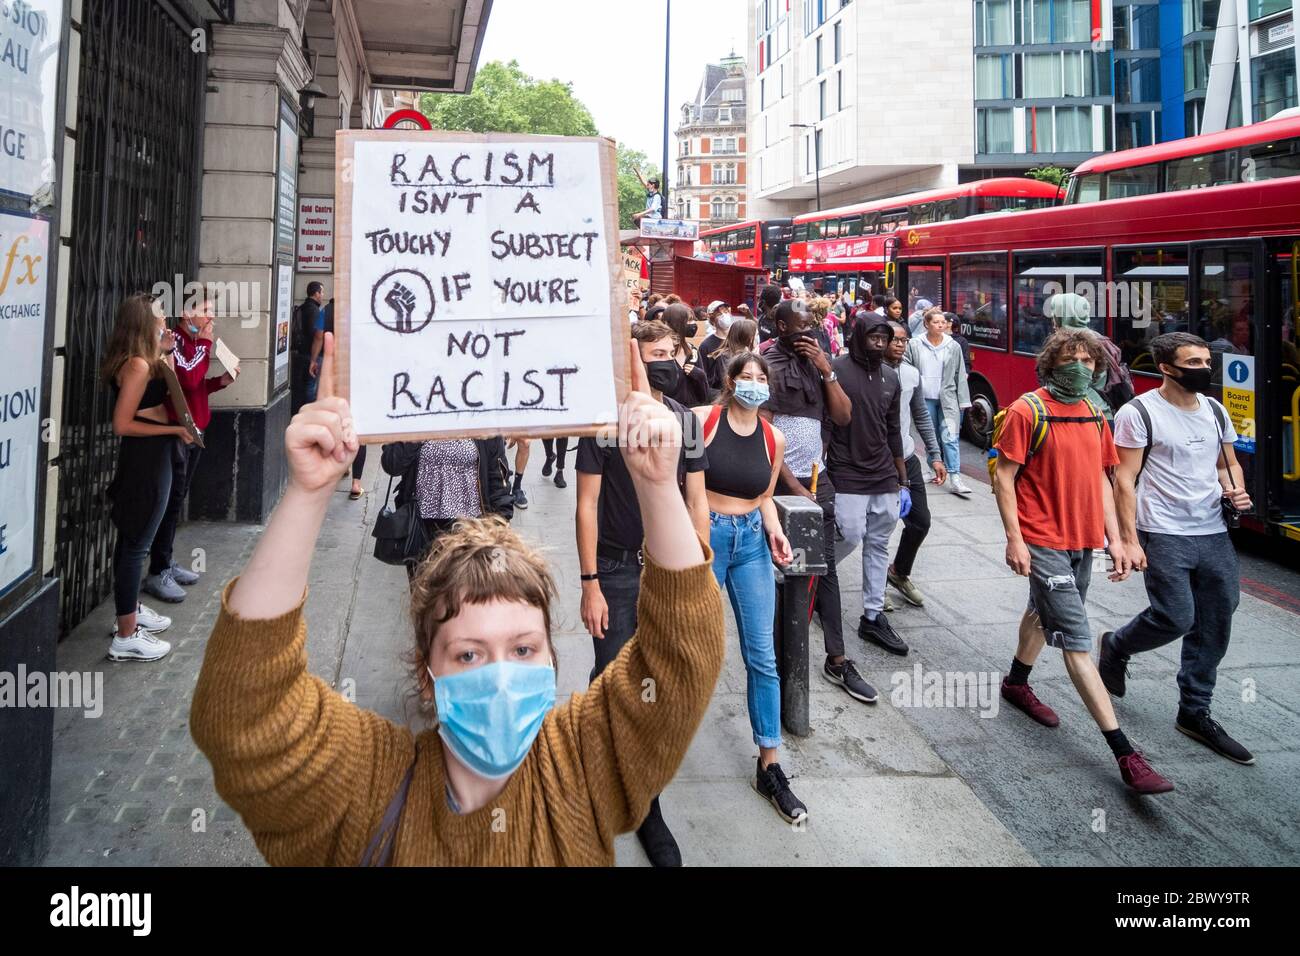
(1057, 505)
(1113, 386)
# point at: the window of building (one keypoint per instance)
(724, 173)
(1074, 129)
(993, 23)
(1196, 64)
(717, 209)
(1042, 76)
(839, 45)
(762, 95)
(1134, 129)
(1039, 132)
(821, 100)
(1072, 21)
(1145, 33)
(1137, 80)
(839, 90)
(1038, 276)
(783, 89)
(818, 151)
(1076, 67)
(1266, 8)
(1137, 181)
(993, 131)
(979, 297)
(819, 55)
(1273, 83)
(1200, 15)
(993, 77)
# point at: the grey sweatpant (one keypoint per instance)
(867, 520)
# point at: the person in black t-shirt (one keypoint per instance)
(610, 535)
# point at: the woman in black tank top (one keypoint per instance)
(745, 454)
(139, 345)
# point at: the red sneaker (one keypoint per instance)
(1023, 698)
(1139, 776)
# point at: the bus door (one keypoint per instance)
(1284, 258)
(1230, 298)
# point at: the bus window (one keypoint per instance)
(1085, 188)
(831, 229)
(1136, 181)
(851, 226)
(799, 232)
(814, 231)
(979, 297)
(924, 283)
(1041, 275)
(921, 213)
(871, 224)
(947, 211)
(1150, 292)
(1198, 172)
(1261, 161)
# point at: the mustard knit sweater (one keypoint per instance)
(311, 773)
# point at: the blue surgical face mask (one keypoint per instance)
(751, 394)
(489, 716)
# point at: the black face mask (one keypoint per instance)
(1194, 379)
(664, 376)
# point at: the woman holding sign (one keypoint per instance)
(133, 367)
(507, 777)
(745, 455)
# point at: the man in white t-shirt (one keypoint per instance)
(1171, 521)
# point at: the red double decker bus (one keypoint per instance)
(851, 245)
(761, 244)
(1219, 262)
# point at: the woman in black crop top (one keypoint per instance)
(745, 454)
(139, 346)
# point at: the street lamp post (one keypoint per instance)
(817, 157)
(663, 176)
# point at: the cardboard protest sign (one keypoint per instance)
(478, 284)
(181, 407)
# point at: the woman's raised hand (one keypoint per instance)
(321, 442)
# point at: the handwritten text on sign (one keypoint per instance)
(480, 286)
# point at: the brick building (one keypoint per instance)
(710, 181)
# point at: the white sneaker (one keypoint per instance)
(140, 646)
(150, 619)
(957, 486)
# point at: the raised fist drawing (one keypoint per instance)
(402, 301)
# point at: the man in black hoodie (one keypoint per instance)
(768, 299)
(865, 461)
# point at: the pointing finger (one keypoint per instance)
(640, 383)
(326, 387)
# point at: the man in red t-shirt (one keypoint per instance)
(192, 354)
(1057, 507)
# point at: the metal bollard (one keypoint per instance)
(801, 520)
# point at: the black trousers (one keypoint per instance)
(359, 463)
(185, 460)
(556, 448)
(917, 523)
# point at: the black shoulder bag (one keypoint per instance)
(400, 537)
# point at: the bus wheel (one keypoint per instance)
(977, 424)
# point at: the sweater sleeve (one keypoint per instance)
(921, 419)
(630, 730)
(309, 771)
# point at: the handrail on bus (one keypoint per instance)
(1294, 421)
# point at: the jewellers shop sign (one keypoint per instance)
(30, 31)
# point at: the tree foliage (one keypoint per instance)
(1056, 175)
(505, 99)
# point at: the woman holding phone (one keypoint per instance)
(138, 348)
(320, 781)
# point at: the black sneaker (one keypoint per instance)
(657, 840)
(521, 499)
(882, 633)
(846, 675)
(1112, 668)
(546, 468)
(559, 479)
(1204, 728)
(770, 784)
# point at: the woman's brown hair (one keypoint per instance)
(740, 338)
(478, 561)
(735, 367)
(135, 333)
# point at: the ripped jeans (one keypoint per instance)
(1058, 586)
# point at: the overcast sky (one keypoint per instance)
(612, 51)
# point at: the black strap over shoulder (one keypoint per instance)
(379, 851)
(1220, 419)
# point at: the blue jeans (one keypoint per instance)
(951, 450)
(742, 563)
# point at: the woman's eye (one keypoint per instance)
(524, 651)
(466, 657)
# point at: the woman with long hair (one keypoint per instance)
(509, 776)
(138, 347)
(745, 453)
(742, 336)
(692, 386)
